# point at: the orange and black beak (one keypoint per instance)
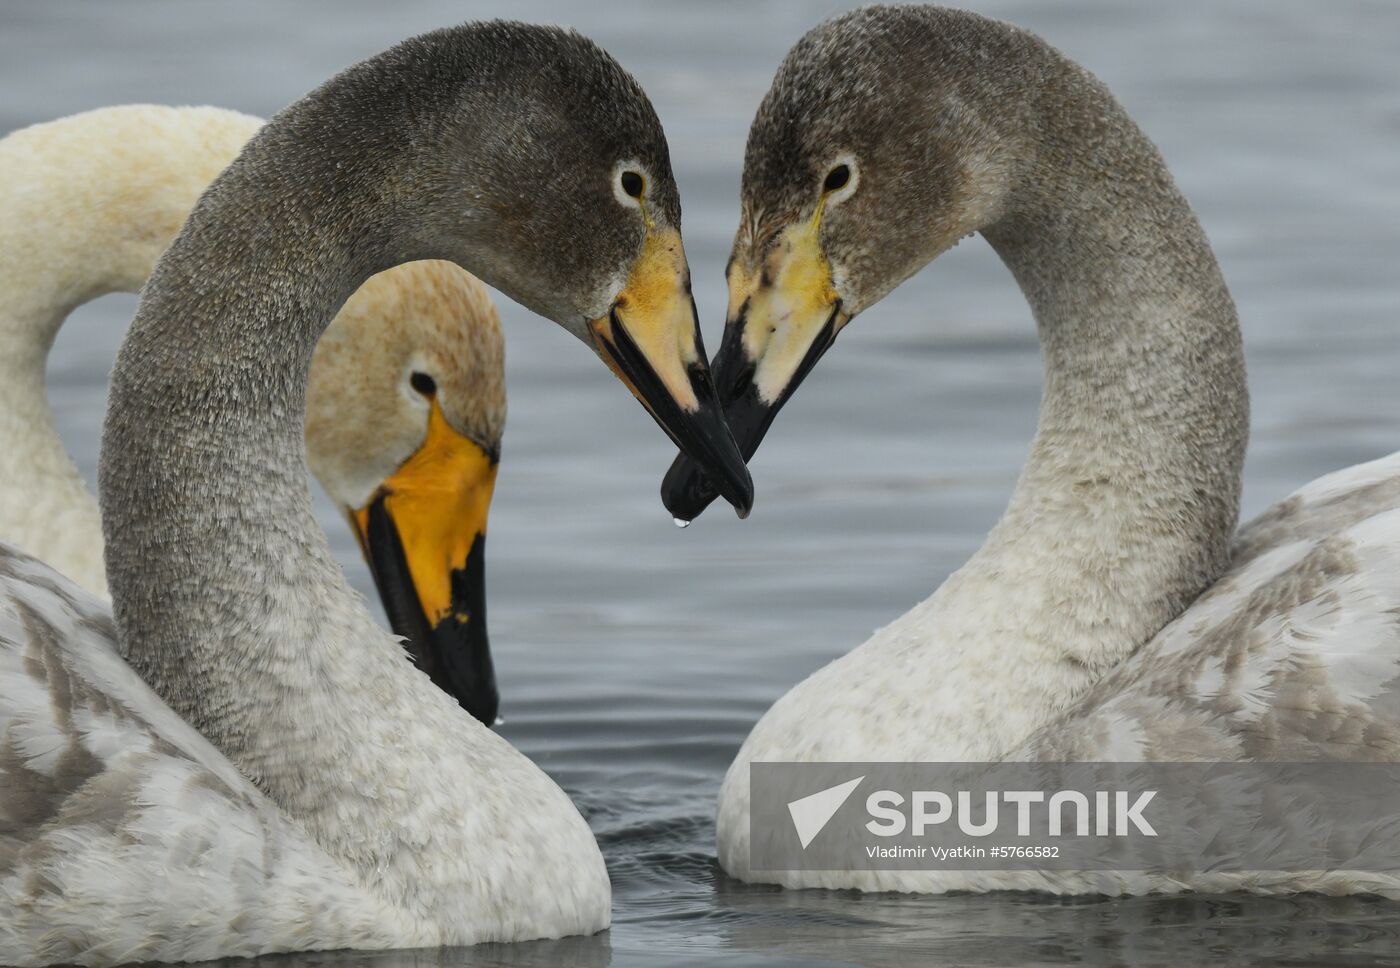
(423, 534)
(784, 314)
(650, 338)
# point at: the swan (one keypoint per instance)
(236, 759)
(412, 367)
(1112, 614)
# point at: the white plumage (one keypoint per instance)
(124, 835)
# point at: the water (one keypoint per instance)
(633, 658)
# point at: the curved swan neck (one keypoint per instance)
(87, 204)
(90, 202)
(1145, 390)
(226, 595)
(1127, 503)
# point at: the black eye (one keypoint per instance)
(423, 383)
(632, 184)
(837, 178)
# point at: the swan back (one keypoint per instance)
(1293, 655)
(124, 835)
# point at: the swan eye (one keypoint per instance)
(837, 178)
(633, 184)
(423, 383)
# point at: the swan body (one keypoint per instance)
(239, 677)
(125, 836)
(1292, 655)
(1112, 613)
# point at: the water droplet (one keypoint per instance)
(681, 522)
(500, 721)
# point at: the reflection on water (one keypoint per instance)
(634, 657)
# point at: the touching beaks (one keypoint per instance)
(651, 339)
(423, 534)
(784, 313)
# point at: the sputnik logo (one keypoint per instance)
(813, 812)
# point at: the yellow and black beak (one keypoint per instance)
(651, 339)
(424, 537)
(784, 313)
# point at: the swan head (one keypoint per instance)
(406, 406)
(548, 175)
(868, 157)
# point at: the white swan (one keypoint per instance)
(87, 205)
(888, 135)
(243, 762)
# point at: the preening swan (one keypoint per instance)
(887, 136)
(242, 761)
(405, 407)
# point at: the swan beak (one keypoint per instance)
(784, 314)
(424, 537)
(650, 338)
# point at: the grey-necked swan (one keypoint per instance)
(1113, 613)
(237, 759)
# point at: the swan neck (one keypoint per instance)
(214, 557)
(1126, 506)
(227, 598)
(87, 204)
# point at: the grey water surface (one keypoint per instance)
(633, 657)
